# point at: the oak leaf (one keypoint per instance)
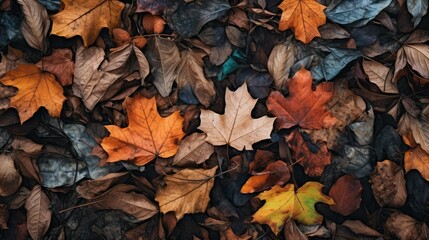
(303, 17)
(148, 134)
(86, 18)
(284, 204)
(303, 106)
(35, 89)
(236, 127)
(187, 191)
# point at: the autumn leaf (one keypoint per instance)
(10, 179)
(236, 127)
(313, 162)
(416, 157)
(346, 193)
(303, 17)
(148, 134)
(60, 63)
(193, 150)
(187, 191)
(284, 204)
(379, 75)
(303, 106)
(38, 212)
(35, 89)
(276, 173)
(86, 18)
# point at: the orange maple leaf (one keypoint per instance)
(148, 134)
(303, 106)
(303, 17)
(35, 89)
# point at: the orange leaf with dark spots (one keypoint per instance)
(148, 134)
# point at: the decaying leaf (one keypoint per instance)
(303, 17)
(303, 106)
(284, 204)
(86, 18)
(313, 162)
(148, 134)
(60, 63)
(236, 127)
(38, 212)
(388, 184)
(186, 191)
(193, 150)
(35, 89)
(10, 179)
(90, 189)
(418, 126)
(346, 193)
(416, 157)
(379, 75)
(405, 227)
(417, 56)
(281, 59)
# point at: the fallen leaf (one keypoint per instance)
(284, 204)
(235, 36)
(35, 89)
(388, 184)
(152, 6)
(314, 163)
(60, 63)
(358, 227)
(36, 24)
(303, 17)
(78, 17)
(236, 127)
(292, 231)
(153, 24)
(148, 134)
(303, 106)
(90, 189)
(10, 179)
(417, 8)
(164, 57)
(276, 173)
(418, 126)
(417, 56)
(122, 197)
(405, 227)
(281, 59)
(346, 107)
(190, 71)
(346, 193)
(379, 75)
(416, 157)
(38, 213)
(186, 191)
(193, 150)
(4, 217)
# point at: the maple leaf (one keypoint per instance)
(303, 106)
(284, 204)
(236, 127)
(303, 17)
(86, 18)
(35, 89)
(148, 134)
(187, 191)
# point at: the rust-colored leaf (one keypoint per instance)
(60, 63)
(303, 17)
(303, 106)
(148, 134)
(346, 193)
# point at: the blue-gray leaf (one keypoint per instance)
(9, 27)
(51, 5)
(333, 63)
(359, 12)
(417, 8)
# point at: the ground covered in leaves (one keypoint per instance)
(214, 119)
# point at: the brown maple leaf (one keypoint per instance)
(148, 134)
(303, 106)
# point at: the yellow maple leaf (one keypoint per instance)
(35, 89)
(303, 17)
(284, 204)
(86, 18)
(148, 134)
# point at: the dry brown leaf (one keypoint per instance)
(164, 57)
(358, 227)
(281, 59)
(346, 192)
(38, 213)
(405, 227)
(36, 24)
(10, 179)
(122, 197)
(346, 107)
(236, 36)
(4, 216)
(86, 18)
(190, 71)
(60, 63)
(418, 58)
(236, 127)
(148, 134)
(90, 189)
(303, 17)
(27, 165)
(35, 89)
(10, 61)
(418, 126)
(416, 157)
(379, 75)
(388, 184)
(291, 231)
(26, 145)
(187, 191)
(193, 150)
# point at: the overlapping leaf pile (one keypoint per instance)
(214, 119)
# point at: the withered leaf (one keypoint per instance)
(406, 227)
(193, 150)
(10, 179)
(346, 193)
(281, 59)
(60, 63)
(276, 173)
(38, 212)
(36, 24)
